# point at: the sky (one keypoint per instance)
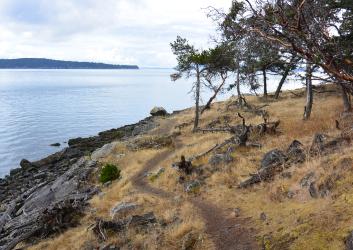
(110, 31)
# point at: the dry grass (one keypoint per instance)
(297, 223)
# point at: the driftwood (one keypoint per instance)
(217, 146)
(263, 174)
(48, 207)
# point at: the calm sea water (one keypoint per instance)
(41, 107)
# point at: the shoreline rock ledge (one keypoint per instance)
(44, 197)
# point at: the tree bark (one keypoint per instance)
(240, 99)
(265, 83)
(283, 79)
(309, 92)
(208, 104)
(197, 98)
(347, 106)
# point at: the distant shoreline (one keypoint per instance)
(43, 63)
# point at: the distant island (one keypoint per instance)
(42, 63)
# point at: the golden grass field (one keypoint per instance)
(301, 222)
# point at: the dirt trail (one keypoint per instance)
(226, 233)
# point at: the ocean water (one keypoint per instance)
(41, 107)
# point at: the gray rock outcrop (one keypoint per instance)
(47, 207)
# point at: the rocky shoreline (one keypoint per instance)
(42, 197)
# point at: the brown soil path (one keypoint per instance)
(226, 233)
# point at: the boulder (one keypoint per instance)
(26, 164)
(274, 157)
(295, 152)
(158, 111)
(55, 144)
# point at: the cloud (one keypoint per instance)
(114, 31)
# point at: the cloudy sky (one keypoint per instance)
(112, 31)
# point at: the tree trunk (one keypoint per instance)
(208, 104)
(265, 83)
(347, 106)
(309, 92)
(284, 77)
(197, 98)
(240, 98)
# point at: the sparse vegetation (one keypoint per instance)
(292, 218)
(254, 161)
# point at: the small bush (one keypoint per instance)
(109, 172)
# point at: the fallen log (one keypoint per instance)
(240, 139)
(217, 146)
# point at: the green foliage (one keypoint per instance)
(109, 172)
(211, 61)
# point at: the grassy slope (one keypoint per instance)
(298, 223)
